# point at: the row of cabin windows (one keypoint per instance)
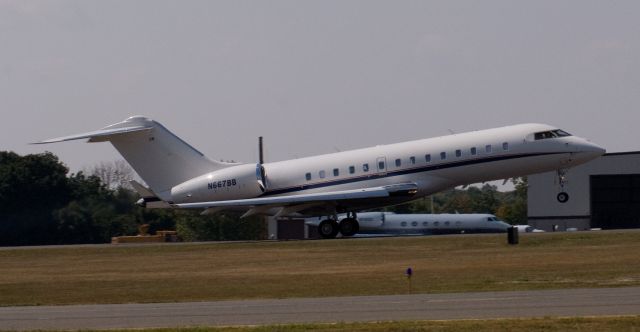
(336, 172)
(412, 161)
(426, 223)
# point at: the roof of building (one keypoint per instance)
(621, 153)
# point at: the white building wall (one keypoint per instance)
(544, 210)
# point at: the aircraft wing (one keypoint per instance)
(298, 203)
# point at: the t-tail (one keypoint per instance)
(160, 158)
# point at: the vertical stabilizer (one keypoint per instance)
(160, 158)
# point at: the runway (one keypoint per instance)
(569, 302)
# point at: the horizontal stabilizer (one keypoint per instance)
(97, 134)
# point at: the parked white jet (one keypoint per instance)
(431, 224)
(528, 229)
(346, 182)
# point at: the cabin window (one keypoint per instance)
(308, 176)
(398, 162)
(365, 167)
(458, 153)
(414, 223)
(381, 165)
(403, 224)
(474, 151)
(436, 223)
(427, 158)
(321, 174)
(487, 148)
(426, 223)
(505, 146)
(446, 223)
(443, 155)
(336, 172)
(352, 169)
(412, 160)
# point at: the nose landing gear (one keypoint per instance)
(562, 197)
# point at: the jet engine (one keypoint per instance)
(235, 182)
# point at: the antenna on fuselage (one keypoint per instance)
(263, 175)
(260, 152)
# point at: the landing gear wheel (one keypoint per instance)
(563, 197)
(328, 229)
(349, 226)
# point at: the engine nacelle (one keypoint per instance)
(236, 182)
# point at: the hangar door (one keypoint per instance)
(615, 201)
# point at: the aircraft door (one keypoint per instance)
(381, 164)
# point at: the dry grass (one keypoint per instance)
(198, 272)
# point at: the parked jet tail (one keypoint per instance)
(159, 157)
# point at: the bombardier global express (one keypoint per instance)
(180, 176)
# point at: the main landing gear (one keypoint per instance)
(329, 228)
(562, 197)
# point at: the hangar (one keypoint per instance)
(603, 193)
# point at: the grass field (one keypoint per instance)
(197, 272)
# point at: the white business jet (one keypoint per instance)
(425, 224)
(180, 176)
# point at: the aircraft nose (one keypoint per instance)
(589, 147)
(587, 151)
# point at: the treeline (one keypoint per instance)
(41, 204)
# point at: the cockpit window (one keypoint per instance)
(551, 134)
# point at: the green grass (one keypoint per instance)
(199, 272)
(601, 324)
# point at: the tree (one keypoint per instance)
(95, 212)
(31, 187)
(114, 174)
(514, 208)
(39, 204)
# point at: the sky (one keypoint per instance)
(314, 77)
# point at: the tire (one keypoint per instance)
(328, 229)
(563, 197)
(349, 226)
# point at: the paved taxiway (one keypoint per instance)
(571, 302)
